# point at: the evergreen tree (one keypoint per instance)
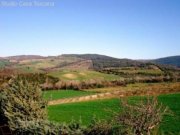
(22, 101)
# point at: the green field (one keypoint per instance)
(142, 71)
(3, 63)
(82, 75)
(60, 94)
(27, 69)
(102, 109)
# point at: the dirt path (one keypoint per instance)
(108, 95)
(84, 98)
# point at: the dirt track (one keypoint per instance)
(110, 95)
(84, 98)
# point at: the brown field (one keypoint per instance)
(165, 87)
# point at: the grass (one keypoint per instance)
(83, 110)
(27, 69)
(3, 63)
(60, 94)
(102, 110)
(171, 124)
(39, 64)
(82, 75)
(143, 71)
(141, 86)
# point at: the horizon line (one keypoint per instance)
(85, 54)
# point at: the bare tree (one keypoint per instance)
(142, 117)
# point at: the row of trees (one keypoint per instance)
(23, 109)
(49, 82)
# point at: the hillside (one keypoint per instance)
(36, 63)
(84, 71)
(102, 61)
(4, 63)
(172, 60)
(31, 63)
(24, 57)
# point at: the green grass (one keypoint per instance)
(27, 69)
(101, 109)
(82, 75)
(3, 63)
(143, 71)
(60, 94)
(171, 124)
(84, 110)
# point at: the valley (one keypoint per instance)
(78, 87)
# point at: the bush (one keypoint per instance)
(24, 110)
(44, 127)
(99, 127)
(22, 101)
(37, 127)
(141, 118)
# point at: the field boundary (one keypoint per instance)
(108, 95)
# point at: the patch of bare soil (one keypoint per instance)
(70, 76)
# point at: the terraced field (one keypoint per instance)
(82, 75)
(164, 86)
(142, 71)
(140, 89)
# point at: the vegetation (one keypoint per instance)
(72, 61)
(24, 110)
(23, 107)
(147, 74)
(4, 63)
(136, 119)
(173, 60)
(21, 102)
(141, 117)
(72, 71)
(141, 88)
(85, 111)
(171, 124)
(82, 75)
(101, 61)
(60, 94)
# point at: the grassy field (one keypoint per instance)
(172, 123)
(59, 94)
(142, 71)
(141, 86)
(82, 75)
(102, 109)
(3, 63)
(27, 69)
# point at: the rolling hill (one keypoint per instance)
(24, 57)
(102, 61)
(4, 63)
(36, 63)
(172, 60)
(68, 61)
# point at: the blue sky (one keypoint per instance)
(137, 29)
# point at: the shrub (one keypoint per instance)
(22, 101)
(99, 127)
(37, 127)
(24, 110)
(141, 118)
